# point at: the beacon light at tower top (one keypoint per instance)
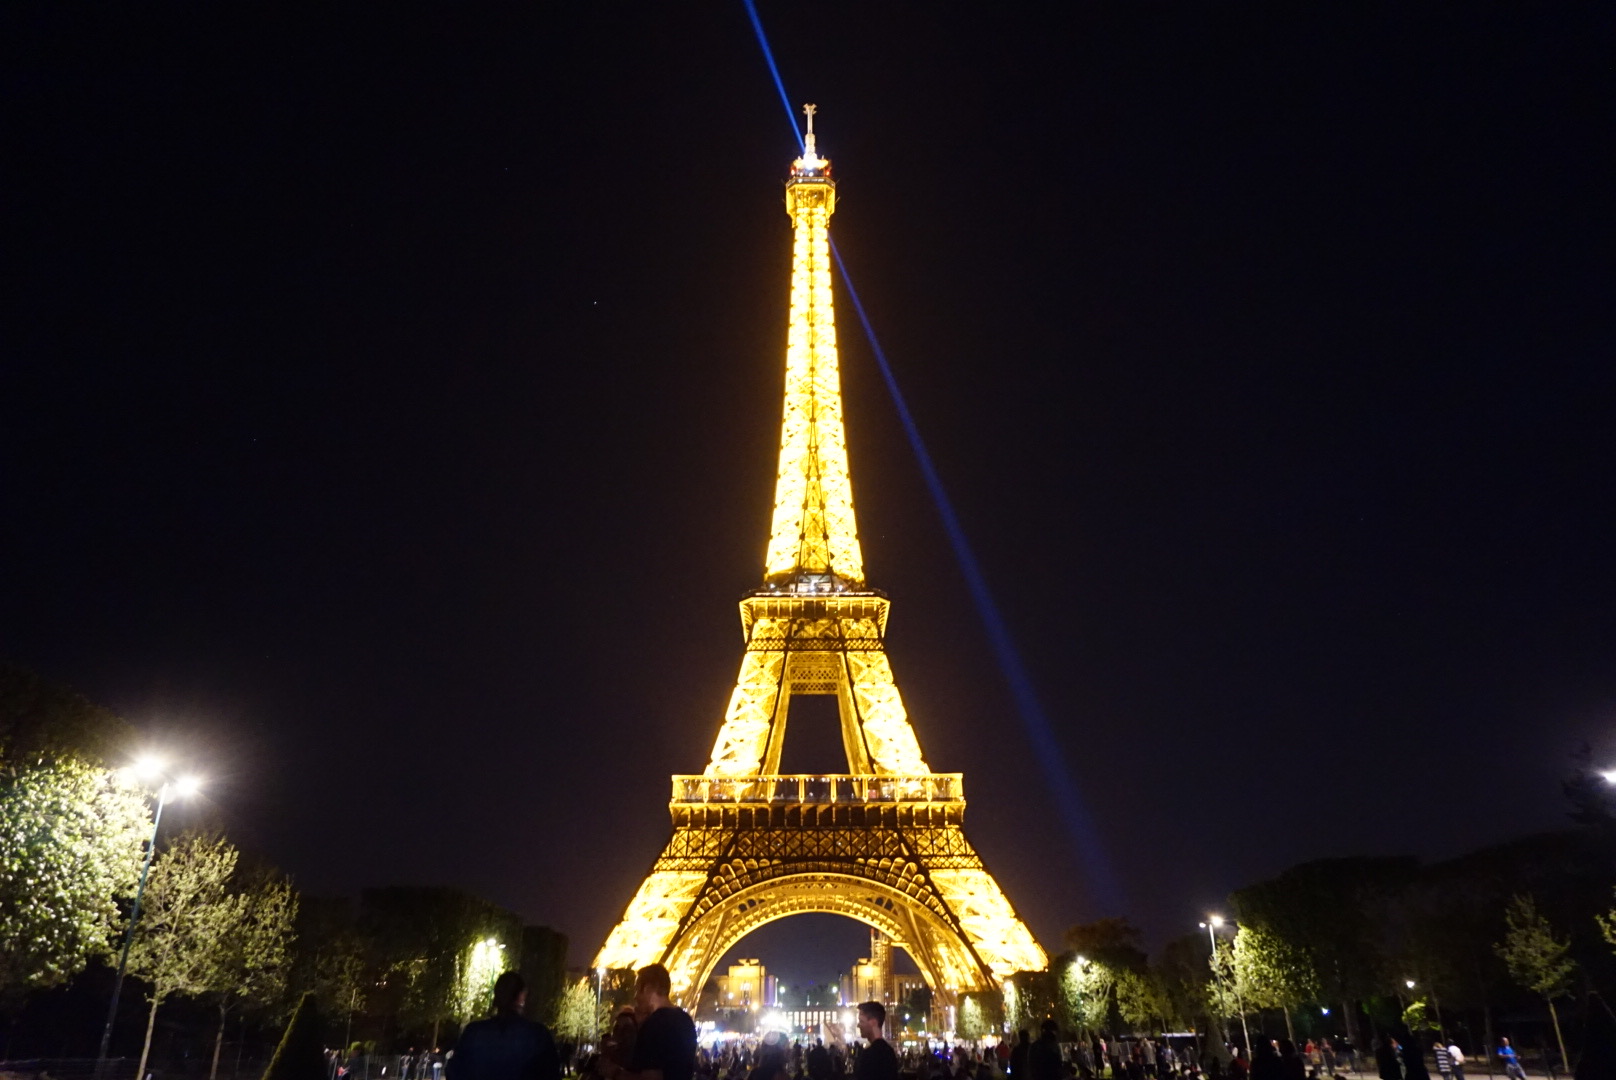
(810, 163)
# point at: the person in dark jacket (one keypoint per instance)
(1292, 1065)
(1388, 1059)
(507, 1046)
(1044, 1057)
(1018, 1056)
(1265, 1063)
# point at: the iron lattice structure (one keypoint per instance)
(883, 843)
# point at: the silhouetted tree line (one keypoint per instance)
(225, 950)
(1515, 939)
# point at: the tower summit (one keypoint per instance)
(882, 843)
(813, 544)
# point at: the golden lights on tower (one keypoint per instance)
(813, 543)
(883, 843)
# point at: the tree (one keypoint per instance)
(1141, 999)
(430, 947)
(185, 922)
(70, 831)
(250, 965)
(1272, 973)
(917, 1008)
(577, 1019)
(328, 957)
(300, 1055)
(42, 723)
(1536, 959)
(70, 846)
(980, 1014)
(544, 968)
(1223, 989)
(1032, 996)
(1084, 992)
(1184, 978)
(1607, 927)
(1112, 942)
(1328, 910)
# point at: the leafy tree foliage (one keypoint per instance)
(980, 1014)
(250, 965)
(185, 923)
(1272, 973)
(1033, 996)
(577, 1019)
(1607, 926)
(1142, 1000)
(1085, 990)
(42, 723)
(544, 968)
(1112, 942)
(70, 845)
(917, 1008)
(1183, 971)
(301, 1052)
(1536, 959)
(70, 831)
(329, 957)
(423, 940)
(1329, 912)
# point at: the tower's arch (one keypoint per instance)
(944, 958)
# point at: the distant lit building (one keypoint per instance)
(871, 978)
(747, 986)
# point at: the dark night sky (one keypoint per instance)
(388, 408)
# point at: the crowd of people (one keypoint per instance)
(656, 1040)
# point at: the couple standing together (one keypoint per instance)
(510, 1047)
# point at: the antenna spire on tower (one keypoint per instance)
(810, 164)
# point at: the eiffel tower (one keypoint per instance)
(882, 843)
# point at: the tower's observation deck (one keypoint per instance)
(882, 842)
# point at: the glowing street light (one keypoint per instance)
(1211, 925)
(1608, 776)
(152, 769)
(1409, 983)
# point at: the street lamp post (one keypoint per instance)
(182, 787)
(1211, 924)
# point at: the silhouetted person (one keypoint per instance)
(619, 1046)
(1413, 1059)
(1265, 1063)
(508, 1046)
(877, 1061)
(1044, 1057)
(1388, 1062)
(1018, 1056)
(771, 1060)
(819, 1061)
(1292, 1066)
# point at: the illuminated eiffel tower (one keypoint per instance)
(882, 843)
